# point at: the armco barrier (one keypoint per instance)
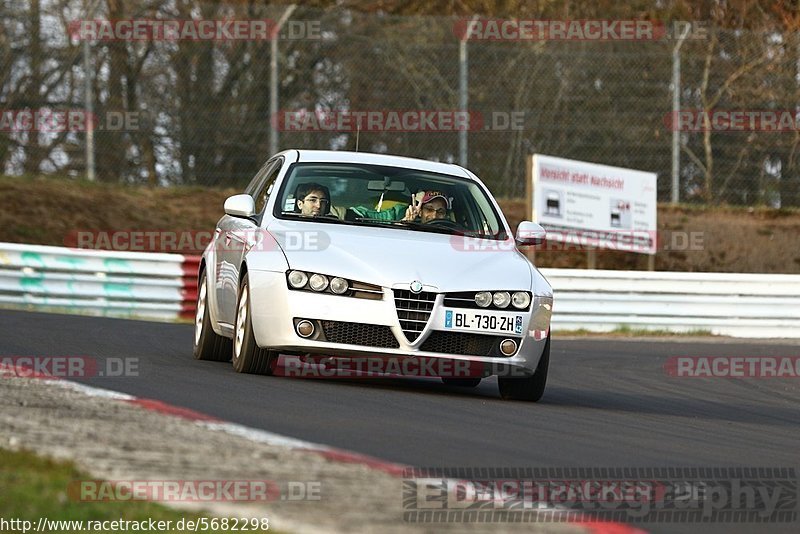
(164, 286)
(119, 284)
(733, 304)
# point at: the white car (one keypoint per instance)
(352, 255)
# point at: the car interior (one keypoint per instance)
(381, 189)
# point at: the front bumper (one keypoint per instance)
(275, 308)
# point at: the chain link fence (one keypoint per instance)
(207, 111)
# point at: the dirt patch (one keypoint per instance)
(50, 211)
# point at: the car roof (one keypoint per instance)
(341, 156)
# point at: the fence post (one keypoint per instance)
(273, 80)
(463, 87)
(676, 105)
(88, 98)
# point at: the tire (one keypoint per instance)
(247, 356)
(208, 345)
(462, 382)
(530, 388)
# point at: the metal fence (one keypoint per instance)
(208, 112)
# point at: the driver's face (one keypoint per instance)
(314, 204)
(435, 209)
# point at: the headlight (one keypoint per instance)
(339, 285)
(318, 282)
(483, 299)
(298, 279)
(501, 299)
(521, 300)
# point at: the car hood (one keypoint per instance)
(389, 256)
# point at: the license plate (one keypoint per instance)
(483, 322)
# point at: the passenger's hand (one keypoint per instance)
(411, 213)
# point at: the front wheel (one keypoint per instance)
(530, 388)
(247, 356)
(208, 345)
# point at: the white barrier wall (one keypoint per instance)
(120, 284)
(733, 304)
(164, 286)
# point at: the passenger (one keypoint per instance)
(434, 205)
(313, 200)
(431, 205)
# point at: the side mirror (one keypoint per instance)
(240, 206)
(530, 233)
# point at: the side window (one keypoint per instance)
(258, 179)
(265, 188)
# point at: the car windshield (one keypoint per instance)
(372, 195)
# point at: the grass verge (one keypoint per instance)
(627, 331)
(32, 487)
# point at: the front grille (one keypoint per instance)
(464, 344)
(413, 311)
(367, 335)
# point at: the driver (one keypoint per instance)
(313, 200)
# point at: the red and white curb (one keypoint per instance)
(278, 440)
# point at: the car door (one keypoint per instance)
(232, 236)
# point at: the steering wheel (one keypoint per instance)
(446, 223)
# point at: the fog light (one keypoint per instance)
(521, 300)
(318, 282)
(339, 285)
(305, 328)
(501, 299)
(508, 347)
(297, 279)
(483, 299)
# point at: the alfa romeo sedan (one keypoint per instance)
(353, 255)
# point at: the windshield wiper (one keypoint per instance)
(427, 227)
(416, 225)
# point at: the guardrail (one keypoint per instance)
(164, 286)
(108, 283)
(733, 304)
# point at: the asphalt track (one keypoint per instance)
(608, 403)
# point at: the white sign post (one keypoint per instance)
(591, 206)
